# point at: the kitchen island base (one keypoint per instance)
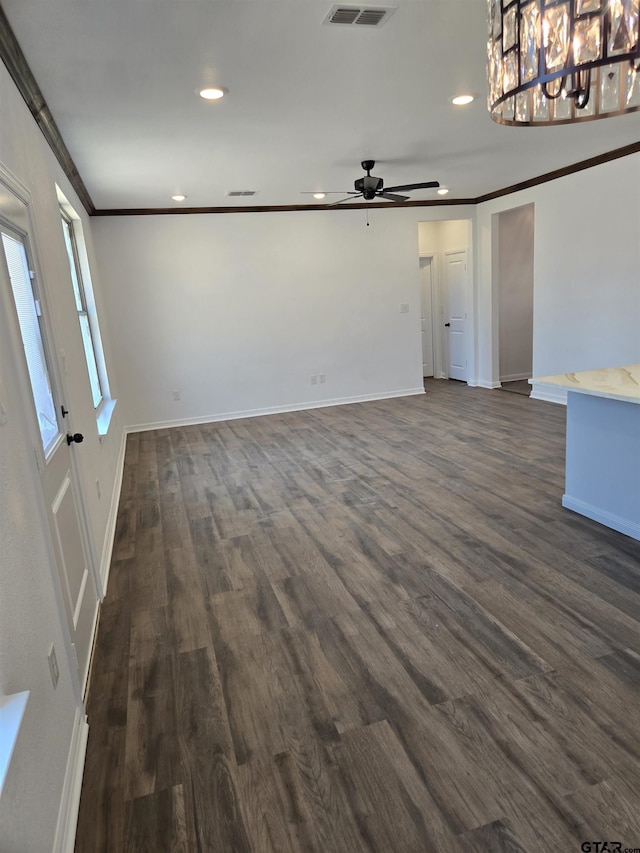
(603, 461)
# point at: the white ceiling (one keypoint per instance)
(306, 103)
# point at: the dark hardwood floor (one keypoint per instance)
(364, 628)
(517, 386)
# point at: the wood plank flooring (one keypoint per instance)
(363, 628)
(517, 386)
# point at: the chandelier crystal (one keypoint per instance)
(559, 61)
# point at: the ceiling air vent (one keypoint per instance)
(365, 16)
(236, 193)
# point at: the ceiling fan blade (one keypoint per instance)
(392, 196)
(351, 197)
(428, 185)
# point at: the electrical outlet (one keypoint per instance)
(314, 379)
(404, 307)
(322, 378)
(176, 396)
(53, 666)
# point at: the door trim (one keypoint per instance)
(64, 840)
(437, 315)
(426, 263)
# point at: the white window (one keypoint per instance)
(30, 319)
(87, 316)
(81, 308)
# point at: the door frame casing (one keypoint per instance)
(437, 314)
(431, 307)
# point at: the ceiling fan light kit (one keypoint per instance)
(560, 61)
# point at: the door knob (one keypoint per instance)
(77, 437)
(447, 324)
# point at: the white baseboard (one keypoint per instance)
(483, 383)
(275, 410)
(615, 522)
(107, 547)
(548, 394)
(64, 841)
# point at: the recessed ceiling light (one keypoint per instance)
(178, 197)
(212, 93)
(319, 195)
(443, 191)
(462, 100)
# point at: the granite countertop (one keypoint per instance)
(616, 383)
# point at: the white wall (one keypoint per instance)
(586, 271)
(515, 292)
(448, 235)
(237, 312)
(587, 262)
(30, 620)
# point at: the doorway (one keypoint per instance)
(514, 273)
(444, 248)
(24, 310)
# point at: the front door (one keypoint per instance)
(26, 323)
(456, 325)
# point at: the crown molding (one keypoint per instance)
(634, 148)
(18, 68)
(281, 208)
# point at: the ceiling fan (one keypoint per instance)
(370, 187)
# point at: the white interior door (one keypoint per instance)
(426, 302)
(25, 318)
(455, 281)
(71, 553)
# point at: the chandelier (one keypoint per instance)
(559, 61)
